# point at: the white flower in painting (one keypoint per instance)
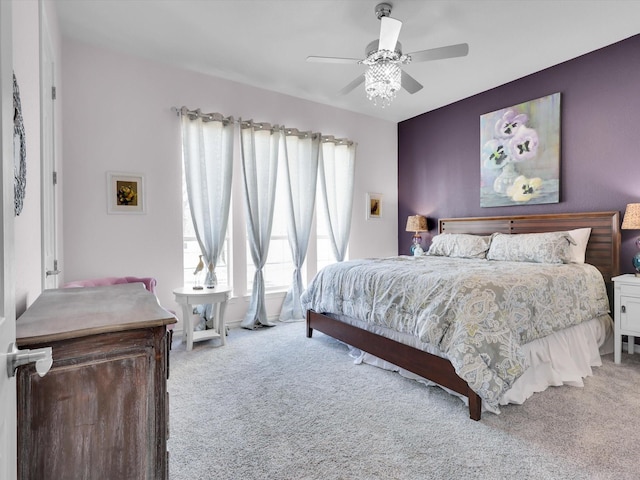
(524, 189)
(494, 154)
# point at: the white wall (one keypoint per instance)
(26, 58)
(117, 117)
(26, 64)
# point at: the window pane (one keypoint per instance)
(278, 271)
(191, 249)
(190, 256)
(325, 252)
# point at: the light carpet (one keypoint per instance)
(273, 404)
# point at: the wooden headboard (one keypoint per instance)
(603, 249)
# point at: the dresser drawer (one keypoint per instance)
(630, 291)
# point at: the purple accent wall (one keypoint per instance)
(439, 151)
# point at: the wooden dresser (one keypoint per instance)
(102, 410)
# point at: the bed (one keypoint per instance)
(410, 350)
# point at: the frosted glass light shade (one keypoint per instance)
(382, 82)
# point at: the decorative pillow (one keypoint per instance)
(459, 245)
(577, 251)
(551, 247)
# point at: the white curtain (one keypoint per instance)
(300, 165)
(260, 143)
(207, 149)
(336, 177)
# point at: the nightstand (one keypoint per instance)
(626, 312)
(187, 297)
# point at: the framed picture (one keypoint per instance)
(520, 154)
(125, 193)
(374, 205)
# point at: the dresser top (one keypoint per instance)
(64, 313)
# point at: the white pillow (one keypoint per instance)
(550, 247)
(577, 251)
(459, 245)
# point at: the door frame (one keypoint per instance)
(48, 175)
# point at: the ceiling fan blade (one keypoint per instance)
(332, 60)
(409, 83)
(451, 51)
(352, 85)
(389, 32)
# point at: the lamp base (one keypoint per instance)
(416, 248)
(636, 263)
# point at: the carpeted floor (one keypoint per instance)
(273, 404)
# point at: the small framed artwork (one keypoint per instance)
(374, 205)
(125, 193)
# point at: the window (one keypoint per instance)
(191, 249)
(235, 259)
(278, 269)
(324, 255)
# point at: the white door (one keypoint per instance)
(8, 435)
(48, 169)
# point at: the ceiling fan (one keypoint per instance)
(383, 57)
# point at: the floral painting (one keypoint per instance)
(125, 193)
(520, 154)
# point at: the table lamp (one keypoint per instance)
(631, 221)
(417, 223)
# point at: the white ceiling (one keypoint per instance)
(265, 43)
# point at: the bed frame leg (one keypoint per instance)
(475, 405)
(309, 329)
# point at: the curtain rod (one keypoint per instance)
(211, 117)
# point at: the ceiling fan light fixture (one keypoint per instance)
(382, 80)
(383, 58)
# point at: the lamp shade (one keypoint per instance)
(417, 223)
(631, 220)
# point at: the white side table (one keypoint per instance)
(187, 297)
(626, 312)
